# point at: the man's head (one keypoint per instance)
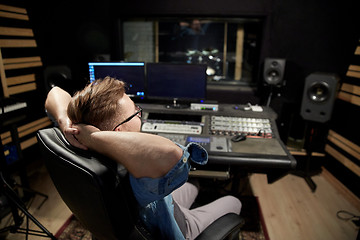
(103, 104)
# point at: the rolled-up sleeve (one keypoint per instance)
(147, 190)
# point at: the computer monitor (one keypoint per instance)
(133, 74)
(176, 82)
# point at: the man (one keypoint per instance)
(108, 122)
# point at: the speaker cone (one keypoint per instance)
(319, 92)
(273, 76)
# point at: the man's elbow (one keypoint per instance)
(50, 96)
(173, 156)
(177, 153)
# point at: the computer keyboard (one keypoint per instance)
(255, 127)
(180, 128)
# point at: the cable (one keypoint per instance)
(349, 215)
(269, 98)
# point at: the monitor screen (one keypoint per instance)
(133, 74)
(176, 81)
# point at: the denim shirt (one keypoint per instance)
(154, 198)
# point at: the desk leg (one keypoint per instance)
(240, 183)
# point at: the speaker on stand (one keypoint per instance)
(274, 69)
(319, 96)
(58, 75)
(318, 99)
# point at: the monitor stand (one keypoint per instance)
(177, 105)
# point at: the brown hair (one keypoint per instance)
(97, 104)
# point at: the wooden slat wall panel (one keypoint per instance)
(20, 79)
(21, 88)
(3, 77)
(357, 51)
(353, 74)
(14, 15)
(28, 143)
(345, 144)
(12, 31)
(21, 60)
(344, 160)
(25, 130)
(13, 9)
(22, 65)
(349, 98)
(16, 43)
(351, 92)
(33, 126)
(13, 84)
(343, 139)
(19, 66)
(6, 138)
(350, 88)
(354, 68)
(344, 120)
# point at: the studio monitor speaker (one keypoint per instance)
(59, 75)
(274, 69)
(319, 96)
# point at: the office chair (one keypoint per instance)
(98, 192)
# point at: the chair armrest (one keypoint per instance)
(223, 228)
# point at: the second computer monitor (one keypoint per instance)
(133, 74)
(171, 81)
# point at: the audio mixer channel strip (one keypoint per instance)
(251, 127)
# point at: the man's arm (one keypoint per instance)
(56, 104)
(143, 155)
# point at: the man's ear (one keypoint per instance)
(119, 128)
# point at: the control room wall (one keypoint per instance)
(311, 35)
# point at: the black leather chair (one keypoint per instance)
(97, 191)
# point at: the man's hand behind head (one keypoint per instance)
(71, 136)
(70, 132)
(82, 134)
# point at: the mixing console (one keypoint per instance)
(252, 127)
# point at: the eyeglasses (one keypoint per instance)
(137, 113)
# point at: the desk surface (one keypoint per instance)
(252, 153)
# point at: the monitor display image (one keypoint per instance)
(133, 74)
(171, 81)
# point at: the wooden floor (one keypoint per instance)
(52, 214)
(290, 209)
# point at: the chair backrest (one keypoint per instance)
(95, 189)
